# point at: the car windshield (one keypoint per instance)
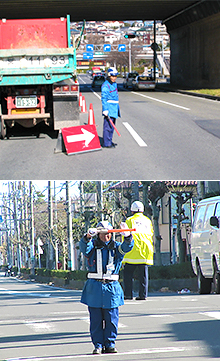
(132, 75)
(99, 78)
(144, 78)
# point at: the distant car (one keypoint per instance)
(143, 82)
(129, 79)
(98, 80)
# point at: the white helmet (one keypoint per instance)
(137, 206)
(112, 72)
(104, 225)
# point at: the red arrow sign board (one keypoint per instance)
(81, 139)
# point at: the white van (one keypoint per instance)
(205, 245)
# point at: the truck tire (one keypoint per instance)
(2, 125)
(204, 284)
(216, 281)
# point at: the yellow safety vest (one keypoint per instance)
(143, 249)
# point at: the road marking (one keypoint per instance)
(16, 293)
(133, 352)
(134, 134)
(213, 314)
(96, 94)
(42, 327)
(161, 101)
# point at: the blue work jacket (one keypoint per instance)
(110, 99)
(98, 294)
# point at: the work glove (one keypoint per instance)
(92, 232)
(126, 233)
(105, 113)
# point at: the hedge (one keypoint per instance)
(182, 270)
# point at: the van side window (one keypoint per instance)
(198, 221)
(217, 211)
(209, 212)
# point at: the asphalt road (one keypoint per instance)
(164, 135)
(43, 323)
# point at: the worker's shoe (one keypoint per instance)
(140, 298)
(128, 298)
(110, 350)
(97, 351)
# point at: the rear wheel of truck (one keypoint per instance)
(216, 281)
(2, 125)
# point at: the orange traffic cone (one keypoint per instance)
(83, 108)
(80, 100)
(91, 118)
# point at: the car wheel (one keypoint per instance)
(216, 281)
(204, 284)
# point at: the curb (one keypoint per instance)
(173, 89)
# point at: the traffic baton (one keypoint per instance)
(103, 230)
(121, 230)
(114, 127)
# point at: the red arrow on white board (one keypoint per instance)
(84, 136)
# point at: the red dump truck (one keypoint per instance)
(37, 74)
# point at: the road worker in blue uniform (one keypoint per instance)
(110, 106)
(102, 292)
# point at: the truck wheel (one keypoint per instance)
(2, 126)
(216, 281)
(204, 284)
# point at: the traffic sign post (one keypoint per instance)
(81, 139)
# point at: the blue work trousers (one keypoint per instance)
(103, 326)
(108, 131)
(142, 277)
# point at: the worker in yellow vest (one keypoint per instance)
(141, 255)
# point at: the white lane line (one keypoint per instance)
(96, 94)
(134, 134)
(213, 314)
(19, 293)
(82, 80)
(161, 101)
(116, 355)
(42, 327)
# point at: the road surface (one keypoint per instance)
(44, 323)
(164, 135)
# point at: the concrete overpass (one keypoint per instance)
(193, 26)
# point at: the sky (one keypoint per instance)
(42, 186)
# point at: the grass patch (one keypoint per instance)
(212, 92)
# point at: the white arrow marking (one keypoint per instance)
(87, 136)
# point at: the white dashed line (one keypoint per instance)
(134, 134)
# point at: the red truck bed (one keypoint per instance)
(33, 33)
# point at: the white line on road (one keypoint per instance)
(213, 314)
(96, 94)
(134, 134)
(133, 352)
(161, 101)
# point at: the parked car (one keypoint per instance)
(98, 80)
(205, 245)
(129, 79)
(143, 82)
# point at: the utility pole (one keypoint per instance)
(16, 225)
(50, 221)
(55, 227)
(32, 230)
(100, 199)
(71, 248)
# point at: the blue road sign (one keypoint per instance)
(1, 219)
(89, 47)
(107, 47)
(121, 47)
(88, 55)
